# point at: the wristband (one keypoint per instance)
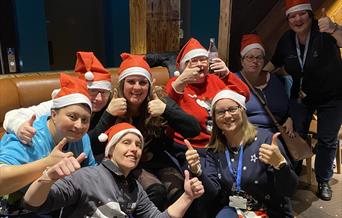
(335, 28)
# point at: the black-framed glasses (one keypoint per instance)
(231, 110)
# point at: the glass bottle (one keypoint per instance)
(212, 51)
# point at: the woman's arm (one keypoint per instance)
(39, 190)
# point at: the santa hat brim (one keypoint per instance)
(118, 136)
(300, 7)
(75, 98)
(250, 47)
(229, 94)
(102, 84)
(140, 71)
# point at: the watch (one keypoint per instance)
(281, 165)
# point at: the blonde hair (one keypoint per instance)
(218, 141)
(150, 127)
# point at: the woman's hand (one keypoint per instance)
(26, 131)
(193, 187)
(325, 24)
(219, 68)
(156, 107)
(288, 126)
(189, 75)
(117, 106)
(193, 159)
(270, 154)
(65, 167)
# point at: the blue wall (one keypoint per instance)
(31, 35)
(205, 20)
(116, 31)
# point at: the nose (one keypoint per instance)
(227, 114)
(78, 124)
(136, 85)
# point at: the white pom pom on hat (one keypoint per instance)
(89, 76)
(102, 137)
(176, 73)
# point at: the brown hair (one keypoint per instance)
(150, 127)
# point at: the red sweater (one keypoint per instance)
(196, 100)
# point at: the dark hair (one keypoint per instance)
(150, 127)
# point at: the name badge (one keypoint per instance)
(238, 202)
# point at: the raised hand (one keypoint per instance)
(117, 106)
(270, 154)
(156, 107)
(193, 187)
(26, 131)
(57, 153)
(325, 24)
(193, 159)
(65, 167)
(219, 68)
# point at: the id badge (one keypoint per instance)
(238, 202)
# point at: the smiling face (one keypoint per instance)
(71, 121)
(299, 21)
(126, 152)
(228, 117)
(135, 89)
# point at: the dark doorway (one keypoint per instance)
(74, 26)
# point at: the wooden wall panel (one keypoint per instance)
(154, 25)
(163, 18)
(138, 33)
(224, 29)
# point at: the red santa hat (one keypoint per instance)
(92, 71)
(190, 50)
(297, 5)
(239, 93)
(73, 91)
(134, 65)
(249, 42)
(116, 132)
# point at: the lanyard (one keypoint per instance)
(239, 168)
(302, 61)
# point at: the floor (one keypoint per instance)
(307, 205)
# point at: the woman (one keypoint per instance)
(246, 169)
(310, 53)
(138, 102)
(98, 79)
(63, 134)
(193, 91)
(269, 86)
(107, 190)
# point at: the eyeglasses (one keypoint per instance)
(231, 110)
(251, 58)
(95, 92)
(198, 60)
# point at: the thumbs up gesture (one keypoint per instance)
(193, 159)
(26, 131)
(193, 187)
(63, 168)
(156, 107)
(57, 153)
(325, 24)
(117, 106)
(270, 154)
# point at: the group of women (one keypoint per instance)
(205, 121)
